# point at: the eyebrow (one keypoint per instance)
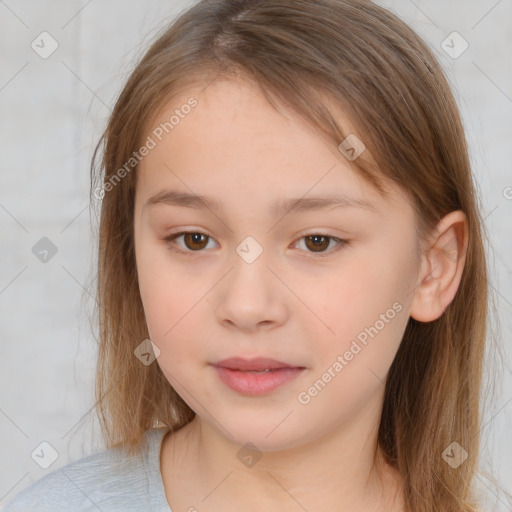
(281, 208)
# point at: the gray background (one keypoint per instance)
(52, 113)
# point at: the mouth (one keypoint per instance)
(255, 376)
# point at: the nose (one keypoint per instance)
(251, 298)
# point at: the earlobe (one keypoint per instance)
(442, 268)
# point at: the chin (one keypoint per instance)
(271, 434)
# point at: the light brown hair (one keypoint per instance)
(308, 55)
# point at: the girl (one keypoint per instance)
(292, 280)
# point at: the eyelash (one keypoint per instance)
(169, 240)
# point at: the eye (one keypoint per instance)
(194, 241)
(318, 243)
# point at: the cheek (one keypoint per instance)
(162, 290)
(171, 320)
(173, 298)
(365, 305)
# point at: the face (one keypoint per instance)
(312, 301)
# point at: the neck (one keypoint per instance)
(342, 470)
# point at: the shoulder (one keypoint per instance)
(108, 481)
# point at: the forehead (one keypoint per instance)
(233, 143)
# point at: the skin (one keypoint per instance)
(290, 304)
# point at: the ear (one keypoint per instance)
(441, 268)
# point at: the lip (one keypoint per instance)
(240, 375)
(254, 364)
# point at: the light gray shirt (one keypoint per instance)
(108, 481)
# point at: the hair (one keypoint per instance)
(317, 58)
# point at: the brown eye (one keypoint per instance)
(195, 241)
(317, 243)
(192, 242)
